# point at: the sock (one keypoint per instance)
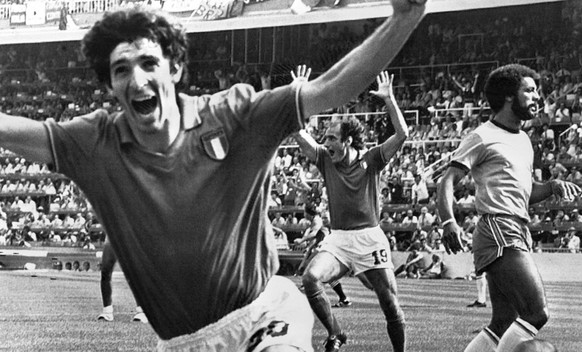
(397, 334)
(481, 288)
(485, 341)
(322, 308)
(518, 332)
(337, 287)
(138, 309)
(108, 309)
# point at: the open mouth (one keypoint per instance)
(145, 106)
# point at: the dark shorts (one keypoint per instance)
(494, 233)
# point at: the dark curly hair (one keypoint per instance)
(128, 25)
(505, 82)
(352, 127)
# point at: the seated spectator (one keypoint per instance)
(435, 270)
(435, 233)
(573, 241)
(274, 201)
(425, 219)
(412, 266)
(410, 218)
(467, 198)
(279, 220)
(281, 240)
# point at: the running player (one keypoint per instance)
(356, 243)
(313, 236)
(499, 156)
(180, 183)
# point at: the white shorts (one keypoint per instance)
(359, 250)
(280, 315)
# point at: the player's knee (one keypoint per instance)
(311, 281)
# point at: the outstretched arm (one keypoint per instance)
(353, 73)
(385, 92)
(25, 137)
(562, 189)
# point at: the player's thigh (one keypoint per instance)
(324, 267)
(381, 280)
(515, 280)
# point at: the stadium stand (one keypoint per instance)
(440, 74)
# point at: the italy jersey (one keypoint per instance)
(189, 226)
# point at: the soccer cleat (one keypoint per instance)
(477, 304)
(141, 317)
(334, 342)
(105, 316)
(342, 304)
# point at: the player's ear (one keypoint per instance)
(176, 70)
(349, 140)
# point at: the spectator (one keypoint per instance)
(279, 220)
(412, 266)
(573, 241)
(425, 219)
(419, 190)
(281, 240)
(435, 270)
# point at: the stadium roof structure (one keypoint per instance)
(264, 13)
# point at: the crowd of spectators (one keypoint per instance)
(448, 62)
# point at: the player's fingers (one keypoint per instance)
(308, 73)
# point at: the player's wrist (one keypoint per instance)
(448, 222)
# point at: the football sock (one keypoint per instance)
(485, 341)
(518, 332)
(396, 332)
(481, 288)
(337, 287)
(108, 309)
(322, 308)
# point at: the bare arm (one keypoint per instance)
(307, 144)
(385, 91)
(563, 189)
(353, 73)
(451, 230)
(25, 137)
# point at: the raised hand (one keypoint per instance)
(384, 81)
(402, 6)
(302, 75)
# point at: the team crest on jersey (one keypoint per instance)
(215, 144)
(274, 329)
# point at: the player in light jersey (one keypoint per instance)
(351, 175)
(499, 156)
(181, 183)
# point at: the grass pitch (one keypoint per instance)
(57, 311)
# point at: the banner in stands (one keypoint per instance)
(18, 14)
(53, 12)
(35, 12)
(205, 9)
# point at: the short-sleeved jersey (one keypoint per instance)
(190, 225)
(501, 163)
(352, 190)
